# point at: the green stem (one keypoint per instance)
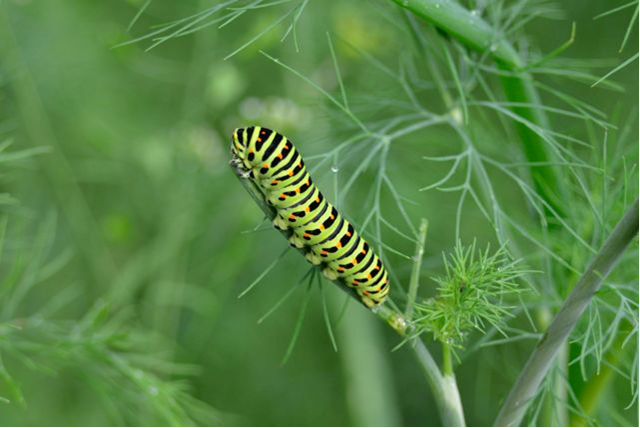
(466, 27)
(444, 388)
(541, 359)
(519, 90)
(477, 34)
(447, 364)
(415, 273)
(555, 413)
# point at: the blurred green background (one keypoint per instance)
(124, 252)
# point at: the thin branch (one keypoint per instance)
(415, 274)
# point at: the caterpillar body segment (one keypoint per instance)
(328, 239)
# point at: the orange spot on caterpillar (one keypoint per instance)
(298, 190)
(354, 262)
(307, 209)
(318, 199)
(369, 276)
(292, 217)
(290, 173)
(279, 155)
(349, 234)
(339, 244)
(306, 235)
(274, 182)
(376, 268)
(259, 140)
(333, 217)
(323, 252)
(265, 165)
(363, 252)
(340, 269)
(366, 293)
(322, 227)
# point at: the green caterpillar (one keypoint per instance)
(271, 161)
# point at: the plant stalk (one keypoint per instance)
(443, 387)
(415, 273)
(447, 365)
(477, 34)
(542, 358)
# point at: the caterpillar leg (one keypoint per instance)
(367, 301)
(330, 274)
(280, 223)
(313, 258)
(295, 241)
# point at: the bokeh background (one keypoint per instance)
(126, 238)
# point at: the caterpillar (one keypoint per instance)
(328, 240)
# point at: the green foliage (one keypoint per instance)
(114, 358)
(126, 239)
(475, 293)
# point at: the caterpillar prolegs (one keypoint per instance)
(271, 161)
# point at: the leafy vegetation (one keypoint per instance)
(125, 238)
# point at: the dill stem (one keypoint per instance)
(555, 411)
(415, 273)
(547, 349)
(447, 365)
(474, 32)
(444, 388)
(519, 90)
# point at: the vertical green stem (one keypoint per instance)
(519, 90)
(415, 272)
(447, 364)
(477, 34)
(444, 388)
(450, 392)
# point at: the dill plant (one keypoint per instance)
(475, 293)
(473, 99)
(113, 359)
(471, 77)
(40, 340)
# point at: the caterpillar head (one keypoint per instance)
(239, 144)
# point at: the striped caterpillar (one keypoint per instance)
(271, 161)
